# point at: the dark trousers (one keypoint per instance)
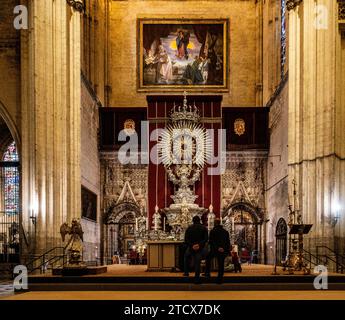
(220, 259)
(237, 267)
(197, 256)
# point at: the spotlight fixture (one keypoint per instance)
(33, 220)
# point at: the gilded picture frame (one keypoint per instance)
(182, 54)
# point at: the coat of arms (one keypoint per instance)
(239, 126)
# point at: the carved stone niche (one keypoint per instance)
(341, 17)
(291, 4)
(78, 5)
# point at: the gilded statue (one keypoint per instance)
(74, 246)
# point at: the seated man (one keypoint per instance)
(219, 242)
(196, 237)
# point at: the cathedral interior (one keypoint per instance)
(260, 83)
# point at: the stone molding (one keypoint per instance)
(341, 17)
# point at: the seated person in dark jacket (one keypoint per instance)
(195, 238)
(219, 242)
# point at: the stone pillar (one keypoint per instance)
(259, 53)
(50, 121)
(340, 124)
(315, 161)
(116, 237)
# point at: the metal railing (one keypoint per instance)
(48, 260)
(9, 237)
(312, 259)
(327, 256)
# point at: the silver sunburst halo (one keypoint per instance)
(185, 142)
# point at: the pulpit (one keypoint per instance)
(163, 255)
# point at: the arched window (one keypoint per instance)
(281, 241)
(10, 177)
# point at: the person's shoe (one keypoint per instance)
(186, 274)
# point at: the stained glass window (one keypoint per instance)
(283, 38)
(10, 175)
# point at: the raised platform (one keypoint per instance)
(135, 278)
(80, 271)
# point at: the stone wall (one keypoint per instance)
(277, 169)
(90, 168)
(122, 52)
(316, 122)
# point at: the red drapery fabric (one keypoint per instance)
(160, 188)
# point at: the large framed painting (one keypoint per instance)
(88, 204)
(183, 54)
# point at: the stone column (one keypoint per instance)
(315, 161)
(50, 121)
(259, 52)
(340, 125)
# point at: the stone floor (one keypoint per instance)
(6, 289)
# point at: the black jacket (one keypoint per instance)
(196, 234)
(219, 238)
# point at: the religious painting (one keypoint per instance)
(175, 55)
(88, 204)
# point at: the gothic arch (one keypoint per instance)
(281, 228)
(243, 221)
(118, 211)
(10, 125)
(281, 240)
(256, 212)
(10, 195)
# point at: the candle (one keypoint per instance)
(147, 223)
(233, 224)
(221, 220)
(164, 224)
(208, 222)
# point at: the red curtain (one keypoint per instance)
(160, 188)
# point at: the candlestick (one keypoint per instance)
(136, 224)
(164, 224)
(147, 223)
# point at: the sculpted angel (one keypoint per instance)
(74, 246)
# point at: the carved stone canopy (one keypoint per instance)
(291, 4)
(78, 5)
(118, 211)
(257, 213)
